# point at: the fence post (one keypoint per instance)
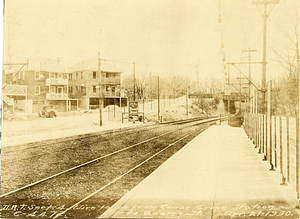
(288, 148)
(297, 162)
(265, 150)
(253, 127)
(248, 124)
(272, 142)
(269, 125)
(283, 179)
(255, 130)
(260, 134)
(275, 143)
(256, 134)
(278, 143)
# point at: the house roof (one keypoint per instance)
(38, 64)
(49, 65)
(92, 65)
(46, 65)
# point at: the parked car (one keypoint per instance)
(48, 112)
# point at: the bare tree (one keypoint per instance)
(178, 85)
(286, 87)
(141, 83)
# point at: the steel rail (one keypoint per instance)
(96, 134)
(121, 176)
(73, 146)
(94, 160)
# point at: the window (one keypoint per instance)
(70, 90)
(81, 75)
(59, 90)
(94, 75)
(76, 88)
(77, 75)
(53, 75)
(37, 75)
(70, 76)
(53, 89)
(82, 89)
(37, 90)
(94, 88)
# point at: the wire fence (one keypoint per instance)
(277, 138)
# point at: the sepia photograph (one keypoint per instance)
(185, 109)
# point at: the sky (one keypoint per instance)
(163, 37)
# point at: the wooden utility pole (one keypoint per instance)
(151, 94)
(298, 140)
(229, 95)
(143, 101)
(100, 90)
(240, 92)
(249, 75)
(197, 79)
(158, 105)
(133, 81)
(58, 60)
(264, 60)
(187, 101)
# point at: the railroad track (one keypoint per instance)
(73, 154)
(135, 156)
(34, 145)
(50, 147)
(73, 158)
(80, 202)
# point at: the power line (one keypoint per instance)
(282, 30)
(189, 65)
(247, 36)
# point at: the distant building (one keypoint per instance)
(45, 85)
(84, 85)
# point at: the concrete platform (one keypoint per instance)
(218, 174)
